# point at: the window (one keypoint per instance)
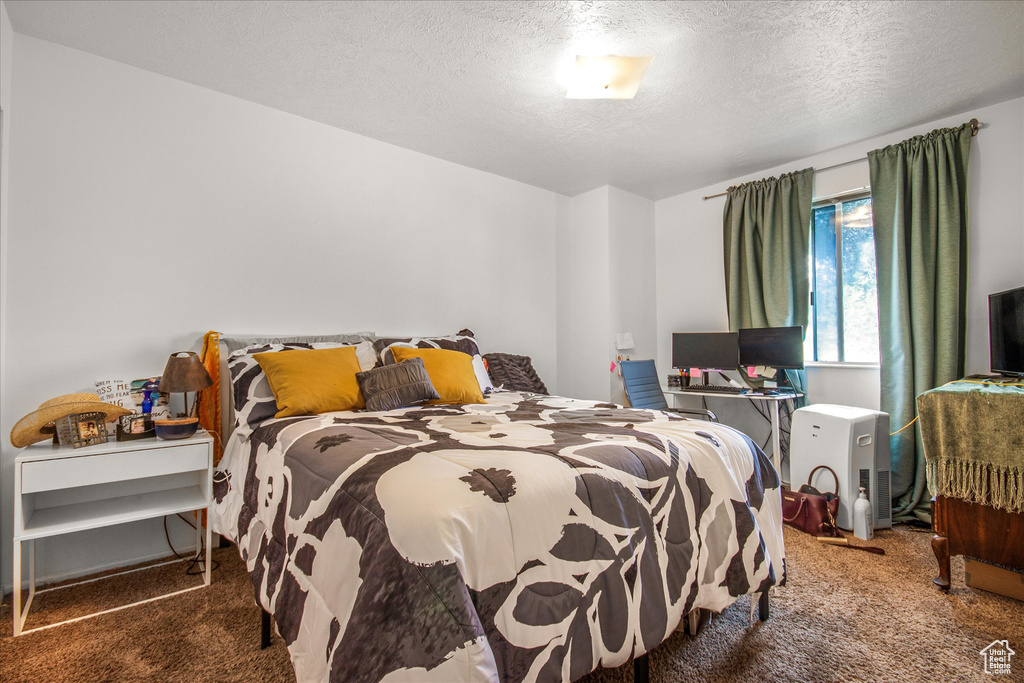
(844, 300)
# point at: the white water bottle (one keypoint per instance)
(863, 527)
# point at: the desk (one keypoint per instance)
(772, 399)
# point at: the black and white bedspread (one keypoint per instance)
(530, 538)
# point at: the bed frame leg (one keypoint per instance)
(641, 669)
(264, 629)
(762, 607)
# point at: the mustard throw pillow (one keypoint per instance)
(451, 373)
(313, 382)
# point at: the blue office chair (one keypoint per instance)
(643, 390)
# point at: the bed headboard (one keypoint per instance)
(218, 412)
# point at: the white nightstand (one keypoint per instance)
(59, 490)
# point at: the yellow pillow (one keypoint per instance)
(313, 382)
(451, 373)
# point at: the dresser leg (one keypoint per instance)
(940, 546)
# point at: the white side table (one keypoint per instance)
(60, 490)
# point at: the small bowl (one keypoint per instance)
(176, 428)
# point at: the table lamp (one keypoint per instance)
(184, 373)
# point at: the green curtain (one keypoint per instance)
(767, 229)
(919, 202)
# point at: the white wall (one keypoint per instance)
(632, 280)
(689, 229)
(848, 384)
(145, 211)
(606, 285)
(584, 316)
(6, 62)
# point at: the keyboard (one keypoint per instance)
(714, 388)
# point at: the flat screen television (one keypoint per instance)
(775, 347)
(1006, 332)
(705, 350)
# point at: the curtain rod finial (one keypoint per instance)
(975, 127)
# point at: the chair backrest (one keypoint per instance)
(640, 380)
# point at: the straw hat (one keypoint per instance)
(38, 425)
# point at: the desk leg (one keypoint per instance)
(17, 588)
(776, 439)
(940, 546)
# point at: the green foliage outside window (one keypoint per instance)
(844, 314)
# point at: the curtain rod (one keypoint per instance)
(975, 127)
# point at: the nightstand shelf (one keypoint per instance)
(99, 513)
(64, 490)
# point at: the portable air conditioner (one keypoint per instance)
(852, 441)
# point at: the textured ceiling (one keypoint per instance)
(735, 87)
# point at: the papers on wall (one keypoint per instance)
(117, 392)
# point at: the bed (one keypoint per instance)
(529, 537)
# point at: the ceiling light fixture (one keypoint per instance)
(606, 78)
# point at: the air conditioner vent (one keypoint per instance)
(884, 505)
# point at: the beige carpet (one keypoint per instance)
(845, 616)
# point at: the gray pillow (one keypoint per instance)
(399, 385)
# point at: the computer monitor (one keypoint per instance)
(705, 350)
(1006, 332)
(774, 347)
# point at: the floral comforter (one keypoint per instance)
(529, 538)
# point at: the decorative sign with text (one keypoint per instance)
(130, 395)
(117, 392)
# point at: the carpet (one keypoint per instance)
(844, 616)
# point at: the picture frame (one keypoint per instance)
(82, 429)
(135, 426)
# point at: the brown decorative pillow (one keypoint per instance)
(514, 373)
(399, 385)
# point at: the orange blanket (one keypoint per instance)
(209, 404)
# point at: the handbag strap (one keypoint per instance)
(795, 514)
(827, 528)
(835, 476)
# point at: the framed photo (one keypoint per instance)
(136, 426)
(82, 429)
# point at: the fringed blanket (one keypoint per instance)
(974, 442)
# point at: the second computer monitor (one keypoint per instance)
(706, 350)
(775, 347)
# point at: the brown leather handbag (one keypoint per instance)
(810, 510)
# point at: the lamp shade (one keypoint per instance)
(184, 372)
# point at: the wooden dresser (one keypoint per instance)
(974, 530)
(973, 434)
